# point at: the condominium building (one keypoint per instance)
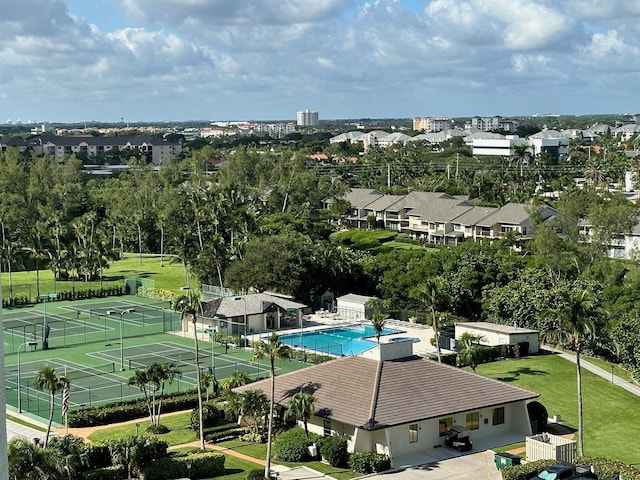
(307, 118)
(431, 124)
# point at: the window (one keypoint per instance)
(498, 416)
(413, 433)
(326, 428)
(444, 424)
(473, 421)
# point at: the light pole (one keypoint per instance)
(45, 326)
(212, 337)
(245, 317)
(25, 344)
(121, 313)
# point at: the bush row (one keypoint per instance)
(228, 434)
(129, 410)
(68, 295)
(107, 473)
(609, 469)
(202, 465)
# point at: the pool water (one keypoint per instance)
(338, 341)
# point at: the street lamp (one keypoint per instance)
(245, 317)
(121, 313)
(25, 344)
(212, 336)
(45, 326)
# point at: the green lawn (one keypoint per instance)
(170, 276)
(611, 414)
(180, 430)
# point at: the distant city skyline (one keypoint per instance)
(173, 60)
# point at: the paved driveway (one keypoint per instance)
(475, 466)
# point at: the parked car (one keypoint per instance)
(565, 472)
(459, 438)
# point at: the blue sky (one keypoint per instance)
(177, 60)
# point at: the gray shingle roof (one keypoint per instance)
(361, 197)
(374, 395)
(256, 304)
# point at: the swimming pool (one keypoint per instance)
(338, 341)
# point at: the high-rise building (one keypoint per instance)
(307, 118)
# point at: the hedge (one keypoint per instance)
(609, 469)
(129, 410)
(203, 465)
(526, 471)
(211, 415)
(228, 434)
(255, 475)
(604, 469)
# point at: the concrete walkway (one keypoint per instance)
(601, 372)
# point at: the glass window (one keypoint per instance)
(413, 433)
(326, 428)
(473, 421)
(444, 424)
(498, 416)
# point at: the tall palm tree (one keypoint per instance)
(47, 379)
(574, 323)
(432, 293)
(28, 461)
(190, 304)
(237, 379)
(274, 349)
(300, 407)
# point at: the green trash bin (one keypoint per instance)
(505, 459)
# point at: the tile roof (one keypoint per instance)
(373, 395)
(511, 213)
(256, 304)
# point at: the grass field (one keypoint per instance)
(169, 277)
(611, 414)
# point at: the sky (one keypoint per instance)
(181, 60)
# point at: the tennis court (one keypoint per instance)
(92, 340)
(76, 323)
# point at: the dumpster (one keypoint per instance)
(505, 459)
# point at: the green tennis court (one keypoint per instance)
(93, 346)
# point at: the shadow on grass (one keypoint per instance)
(514, 374)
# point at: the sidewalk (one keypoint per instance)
(630, 387)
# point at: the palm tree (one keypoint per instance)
(272, 348)
(237, 379)
(47, 379)
(574, 323)
(432, 293)
(521, 155)
(471, 352)
(28, 461)
(300, 407)
(190, 304)
(253, 403)
(378, 318)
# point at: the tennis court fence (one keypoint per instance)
(80, 326)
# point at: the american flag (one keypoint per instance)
(65, 401)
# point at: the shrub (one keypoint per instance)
(526, 471)
(253, 437)
(255, 475)
(156, 294)
(334, 450)
(203, 465)
(210, 417)
(369, 462)
(291, 445)
(157, 429)
(107, 473)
